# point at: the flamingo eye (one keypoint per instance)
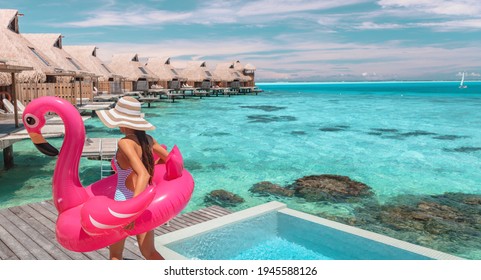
(31, 121)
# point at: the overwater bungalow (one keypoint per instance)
(46, 78)
(106, 79)
(168, 76)
(76, 77)
(246, 73)
(197, 75)
(137, 75)
(228, 76)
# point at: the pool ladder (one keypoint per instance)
(105, 160)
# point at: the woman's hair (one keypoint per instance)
(147, 157)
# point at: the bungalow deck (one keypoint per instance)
(27, 232)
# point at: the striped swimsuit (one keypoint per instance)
(122, 192)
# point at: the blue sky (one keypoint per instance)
(296, 40)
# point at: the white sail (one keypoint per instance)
(461, 85)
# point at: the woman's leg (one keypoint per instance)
(116, 250)
(146, 246)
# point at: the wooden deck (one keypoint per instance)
(100, 148)
(28, 233)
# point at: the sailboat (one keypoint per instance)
(462, 85)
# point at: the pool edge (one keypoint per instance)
(168, 238)
(417, 249)
(161, 241)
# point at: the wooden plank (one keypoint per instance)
(220, 211)
(42, 235)
(204, 216)
(175, 225)
(43, 248)
(47, 228)
(213, 213)
(193, 218)
(217, 214)
(5, 252)
(161, 230)
(184, 222)
(47, 209)
(20, 243)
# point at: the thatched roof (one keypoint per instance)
(51, 45)
(249, 67)
(17, 50)
(240, 67)
(129, 66)
(197, 71)
(87, 55)
(162, 68)
(228, 73)
(9, 19)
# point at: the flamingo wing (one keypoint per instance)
(174, 164)
(100, 213)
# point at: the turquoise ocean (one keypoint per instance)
(400, 138)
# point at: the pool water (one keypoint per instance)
(278, 248)
(279, 235)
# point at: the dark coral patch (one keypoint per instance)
(331, 129)
(218, 133)
(385, 130)
(216, 165)
(270, 118)
(266, 188)
(334, 128)
(192, 165)
(449, 137)
(266, 108)
(298, 132)
(463, 149)
(417, 133)
(327, 187)
(223, 198)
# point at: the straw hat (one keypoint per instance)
(126, 113)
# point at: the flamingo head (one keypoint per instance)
(34, 120)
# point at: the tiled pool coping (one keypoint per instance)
(162, 241)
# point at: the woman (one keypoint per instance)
(134, 162)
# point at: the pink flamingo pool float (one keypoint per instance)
(88, 217)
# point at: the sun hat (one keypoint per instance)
(126, 113)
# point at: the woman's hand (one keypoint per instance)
(130, 226)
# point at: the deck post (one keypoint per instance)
(8, 157)
(14, 96)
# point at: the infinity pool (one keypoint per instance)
(274, 232)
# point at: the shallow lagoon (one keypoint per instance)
(398, 138)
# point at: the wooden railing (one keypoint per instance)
(26, 92)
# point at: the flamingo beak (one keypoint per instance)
(42, 145)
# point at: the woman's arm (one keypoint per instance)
(127, 147)
(160, 151)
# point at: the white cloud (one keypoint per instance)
(454, 24)
(129, 18)
(439, 7)
(266, 7)
(210, 12)
(374, 26)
